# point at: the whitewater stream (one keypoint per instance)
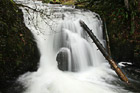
(70, 62)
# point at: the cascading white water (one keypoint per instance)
(56, 29)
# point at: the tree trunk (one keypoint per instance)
(138, 6)
(106, 37)
(105, 54)
(126, 2)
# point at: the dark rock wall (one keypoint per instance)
(18, 51)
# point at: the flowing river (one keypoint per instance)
(70, 62)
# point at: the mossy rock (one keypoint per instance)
(19, 52)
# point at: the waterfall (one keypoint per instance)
(64, 45)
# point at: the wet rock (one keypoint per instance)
(62, 59)
(132, 72)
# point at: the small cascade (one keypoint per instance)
(70, 62)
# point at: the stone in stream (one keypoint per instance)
(62, 59)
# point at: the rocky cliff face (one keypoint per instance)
(18, 53)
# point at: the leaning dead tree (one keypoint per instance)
(105, 53)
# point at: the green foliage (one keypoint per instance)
(68, 3)
(46, 1)
(12, 2)
(81, 0)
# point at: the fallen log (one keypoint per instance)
(105, 53)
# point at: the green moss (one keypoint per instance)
(68, 3)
